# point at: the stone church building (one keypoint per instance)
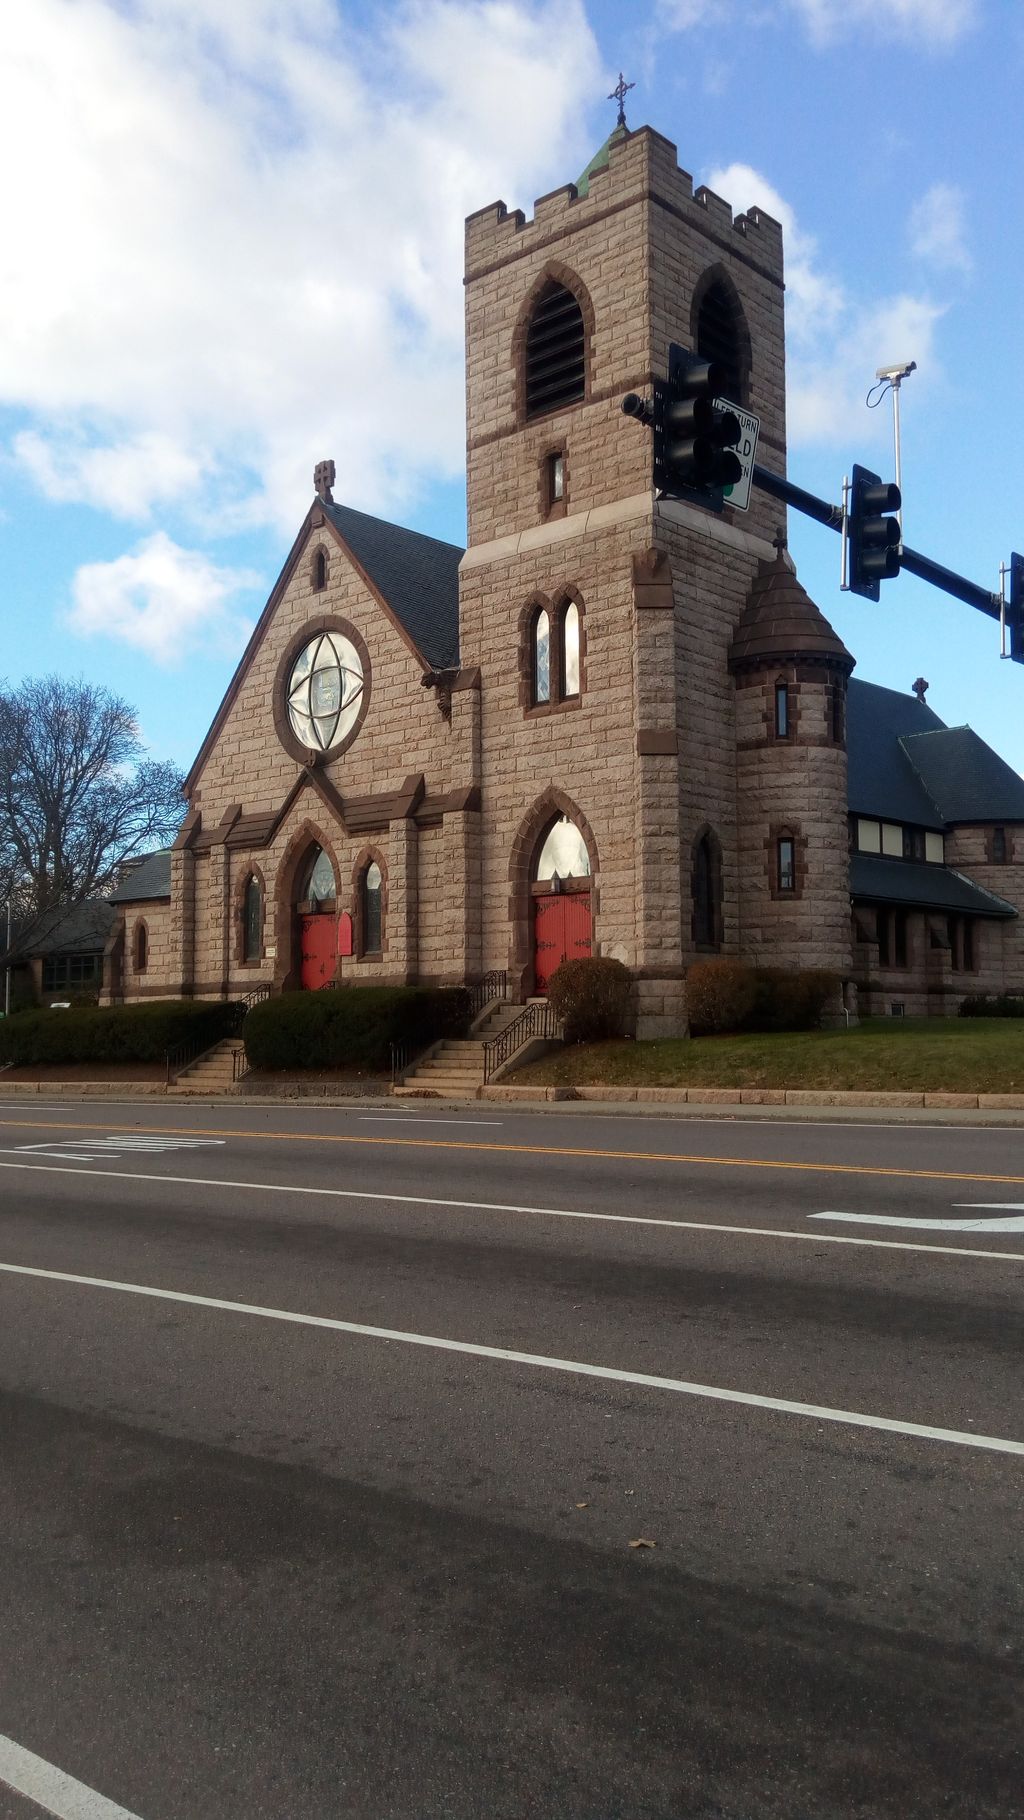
(613, 724)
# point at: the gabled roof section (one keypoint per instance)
(149, 879)
(881, 780)
(418, 576)
(897, 881)
(965, 778)
(83, 929)
(780, 621)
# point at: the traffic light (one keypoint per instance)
(873, 539)
(1015, 608)
(694, 438)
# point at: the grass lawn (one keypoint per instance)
(937, 1055)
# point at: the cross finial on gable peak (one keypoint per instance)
(323, 481)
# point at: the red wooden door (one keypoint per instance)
(318, 946)
(561, 932)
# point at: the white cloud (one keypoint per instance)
(938, 228)
(835, 341)
(126, 479)
(930, 25)
(927, 24)
(160, 598)
(241, 248)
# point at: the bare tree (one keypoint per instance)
(78, 797)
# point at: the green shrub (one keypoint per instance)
(792, 998)
(353, 1027)
(994, 1004)
(111, 1033)
(591, 997)
(719, 996)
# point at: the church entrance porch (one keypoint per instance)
(562, 931)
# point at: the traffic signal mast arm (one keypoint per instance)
(910, 560)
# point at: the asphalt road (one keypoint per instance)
(376, 1562)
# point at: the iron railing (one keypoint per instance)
(493, 985)
(536, 1021)
(183, 1055)
(239, 1065)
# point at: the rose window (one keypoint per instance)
(325, 690)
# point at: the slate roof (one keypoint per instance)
(964, 777)
(151, 878)
(781, 621)
(83, 929)
(418, 577)
(881, 780)
(897, 881)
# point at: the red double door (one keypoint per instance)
(561, 932)
(318, 945)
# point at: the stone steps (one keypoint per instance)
(212, 1073)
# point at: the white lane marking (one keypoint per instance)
(131, 1144)
(547, 1213)
(573, 1367)
(52, 1789)
(412, 1118)
(1014, 1224)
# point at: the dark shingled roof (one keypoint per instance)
(81, 930)
(151, 878)
(880, 777)
(967, 780)
(780, 620)
(895, 881)
(418, 577)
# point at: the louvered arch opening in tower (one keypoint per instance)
(556, 355)
(719, 338)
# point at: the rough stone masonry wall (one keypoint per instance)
(654, 723)
(402, 734)
(158, 978)
(793, 787)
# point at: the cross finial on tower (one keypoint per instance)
(323, 481)
(921, 690)
(779, 540)
(619, 93)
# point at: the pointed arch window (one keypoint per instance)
(706, 888)
(721, 337)
(372, 906)
(141, 956)
(556, 354)
(252, 920)
(563, 853)
(569, 650)
(540, 656)
(319, 575)
(319, 886)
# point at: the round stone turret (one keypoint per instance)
(790, 669)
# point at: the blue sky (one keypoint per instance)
(238, 248)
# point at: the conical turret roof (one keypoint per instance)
(780, 621)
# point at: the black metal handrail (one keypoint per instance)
(536, 1021)
(183, 1055)
(493, 985)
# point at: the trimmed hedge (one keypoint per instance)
(111, 1033)
(352, 1027)
(993, 1004)
(592, 997)
(723, 995)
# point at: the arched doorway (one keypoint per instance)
(317, 930)
(560, 900)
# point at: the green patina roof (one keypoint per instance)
(599, 161)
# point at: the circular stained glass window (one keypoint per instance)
(325, 690)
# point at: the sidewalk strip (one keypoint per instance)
(51, 1789)
(572, 1367)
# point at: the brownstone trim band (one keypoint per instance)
(652, 581)
(656, 742)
